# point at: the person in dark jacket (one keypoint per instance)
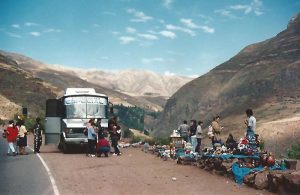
(231, 143)
(115, 136)
(37, 132)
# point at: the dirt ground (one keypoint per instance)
(135, 172)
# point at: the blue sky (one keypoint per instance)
(183, 37)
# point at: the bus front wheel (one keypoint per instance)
(63, 146)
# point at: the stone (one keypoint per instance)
(291, 182)
(249, 179)
(261, 180)
(275, 180)
(291, 164)
(226, 166)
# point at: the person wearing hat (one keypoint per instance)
(37, 132)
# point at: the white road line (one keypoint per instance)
(55, 189)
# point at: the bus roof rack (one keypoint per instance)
(81, 91)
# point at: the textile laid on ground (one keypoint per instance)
(227, 156)
(240, 172)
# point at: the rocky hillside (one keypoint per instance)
(264, 76)
(20, 88)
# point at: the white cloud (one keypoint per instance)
(168, 34)
(168, 73)
(188, 69)
(148, 36)
(207, 29)
(258, 13)
(13, 35)
(193, 76)
(115, 32)
(178, 28)
(188, 23)
(226, 13)
(161, 21)
(254, 7)
(167, 3)
(127, 39)
(152, 32)
(15, 26)
(152, 60)
(206, 18)
(35, 34)
(49, 30)
(29, 24)
(130, 30)
(139, 16)
(245, 8)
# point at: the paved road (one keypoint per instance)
(22, 174)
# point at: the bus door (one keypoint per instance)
(53, 121)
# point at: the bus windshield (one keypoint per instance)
(86, 107)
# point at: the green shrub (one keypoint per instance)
(151, 142)
(294, 152)
(132, 117)
(136, 139)
(262, 145)
(162, 140)
(2, 122)
(127, 133)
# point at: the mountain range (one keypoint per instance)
(144, 89)
(129, 82)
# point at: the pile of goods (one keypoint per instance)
(246, 163)
(243, 162)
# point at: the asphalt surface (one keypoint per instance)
(22, 174)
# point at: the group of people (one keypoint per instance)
(95, 132)
(193, 133)
(16, 136)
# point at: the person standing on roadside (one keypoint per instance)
(199, 136)
(183, 130)
(216, 129)
(251, 126)
(192, 134)
(22, 137)
(92, 138)
(37, 132)
(115, 136)
(11, 133)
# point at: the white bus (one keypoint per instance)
(66, 116)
